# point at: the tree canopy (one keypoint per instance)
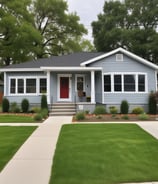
(31, 29)
(130, 24)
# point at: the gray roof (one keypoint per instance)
(70, 60)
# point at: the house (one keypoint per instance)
(85, 79)
(1, 91)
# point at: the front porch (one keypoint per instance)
(82, 86)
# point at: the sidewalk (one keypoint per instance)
(32, 163)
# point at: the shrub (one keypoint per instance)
(143, 117)
(5, 105)
(36, 110)
(25, 105)
(44, 104)
(14, 108)
(38, 117)
(152, 104)
(138, 110)
(124, 107)
(113, 110)
(80, 116)
(44, 113)
(100, 110)
(125, 117)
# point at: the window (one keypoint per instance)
(30, 85)
(117, 83)
(141, 83)
(43, 85)
(129, 82)
(13, 86)
(20, 85)
(107, 83)
(123, 82)
(80, 82)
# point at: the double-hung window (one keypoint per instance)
(28, 85)
(125, 82)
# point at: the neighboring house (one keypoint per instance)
(84, 78)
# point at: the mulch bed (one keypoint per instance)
(112, 118)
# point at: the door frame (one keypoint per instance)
(70, 87)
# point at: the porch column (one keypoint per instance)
(5, 84)
(48, 88)
(92, 87)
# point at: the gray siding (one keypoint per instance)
(110, 65)
(33, 99)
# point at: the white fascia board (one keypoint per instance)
(71, 68)
(130, 54)
(20, 70)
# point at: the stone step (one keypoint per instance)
(59, 109)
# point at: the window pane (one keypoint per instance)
(141, 83)
(129, 82)
(20, 85)
(12, 86)
(30, 85)
(107, 83)
(80, 83)
(117, 83)
(43, 86)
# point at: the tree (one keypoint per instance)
(31, 29)
(18, 35)
(129, 24)
(58, 28)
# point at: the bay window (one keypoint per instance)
(125, 82)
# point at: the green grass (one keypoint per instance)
(11, 118)
(104, 154)
(11, 138)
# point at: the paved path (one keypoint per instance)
(32, 163)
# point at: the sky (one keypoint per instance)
(87, 10)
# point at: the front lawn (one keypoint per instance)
(11, 138)
(15, 118)
(104, 154)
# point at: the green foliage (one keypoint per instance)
(99, 110)
(113, 110)
(44, 113)
(38, 117)
(138, 110)
(143, 117)
(25, 105)
(125, 117)
(124, 107)
(44, 104)
(152, 103)
(80, 116)
(35, 110)
(5, 105)
(128, 24)
(36, 29)
(14, 108)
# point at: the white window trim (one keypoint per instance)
(25, 78)
(80, 75)
(122, 75)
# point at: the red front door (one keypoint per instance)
(64, 87)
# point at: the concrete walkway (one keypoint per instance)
(32, 163)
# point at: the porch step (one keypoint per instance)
(62, 109)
